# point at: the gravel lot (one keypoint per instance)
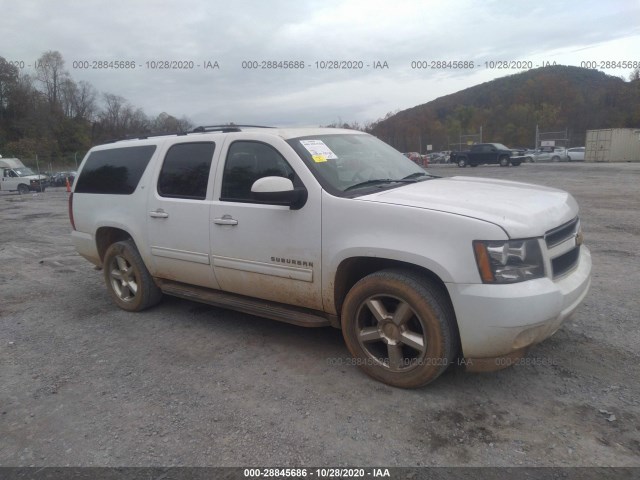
(83, 383)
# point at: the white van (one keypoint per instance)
(14, 176)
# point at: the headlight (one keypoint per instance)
(508, 261)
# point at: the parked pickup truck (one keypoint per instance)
(14, 176)
(330, 227)
(486, 153)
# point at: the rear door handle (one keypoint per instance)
(225, 220)
(159, 213)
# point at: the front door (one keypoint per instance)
(10, 180)
(260, 250)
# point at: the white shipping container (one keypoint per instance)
(613, 145)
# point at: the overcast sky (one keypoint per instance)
(228, 32)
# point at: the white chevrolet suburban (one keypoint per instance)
(320, 227)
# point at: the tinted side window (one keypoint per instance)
(185, 171)
(116, 171)
(246, 163)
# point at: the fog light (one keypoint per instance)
(529, 336)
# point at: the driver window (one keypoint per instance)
(247, 162)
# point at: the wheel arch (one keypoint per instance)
(353, 269)
(106, 236)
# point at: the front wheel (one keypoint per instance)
(400, 328)
(504, 161)
(127, 278)
(515, 164)
(23, 189)
(555, 159)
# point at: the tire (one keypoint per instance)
(504, 161)
(529, 159)
(23, 189)
(473, 164)
(462, 162)
(555, 159)
(127, 278)
(400, 328)
(515, 164)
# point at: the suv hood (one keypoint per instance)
(521, 209)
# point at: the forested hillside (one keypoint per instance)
(509, 108)
(50, 115)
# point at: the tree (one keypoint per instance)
(51, 74)
(8, 80)
(165, 123)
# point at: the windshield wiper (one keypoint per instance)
(419, 174)
(380, 181)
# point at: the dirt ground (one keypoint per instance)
(83, 383)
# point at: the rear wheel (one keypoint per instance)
(127, 278)
(462, 162)
(555, 159)
(400, 327)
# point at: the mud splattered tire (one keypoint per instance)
(128, 280)
(400, 328)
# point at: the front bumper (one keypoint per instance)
(503, 320)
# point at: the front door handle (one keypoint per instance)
(159, 213)
(225, 220)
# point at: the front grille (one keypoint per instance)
(560, 234)
(565, 262)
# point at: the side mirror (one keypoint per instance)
(279, 191)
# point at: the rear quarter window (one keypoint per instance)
(116, 171)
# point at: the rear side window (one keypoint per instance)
(116, 171)
(185, 171)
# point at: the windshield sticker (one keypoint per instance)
(317, 148)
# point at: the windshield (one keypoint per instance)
(23, 172)
(351, 162)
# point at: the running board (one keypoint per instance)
(252, 306)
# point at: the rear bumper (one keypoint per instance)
(86, 246)
(503, 320)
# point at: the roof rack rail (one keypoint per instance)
(143, 136)
(224, 128)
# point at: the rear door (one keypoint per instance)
(178, 211)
